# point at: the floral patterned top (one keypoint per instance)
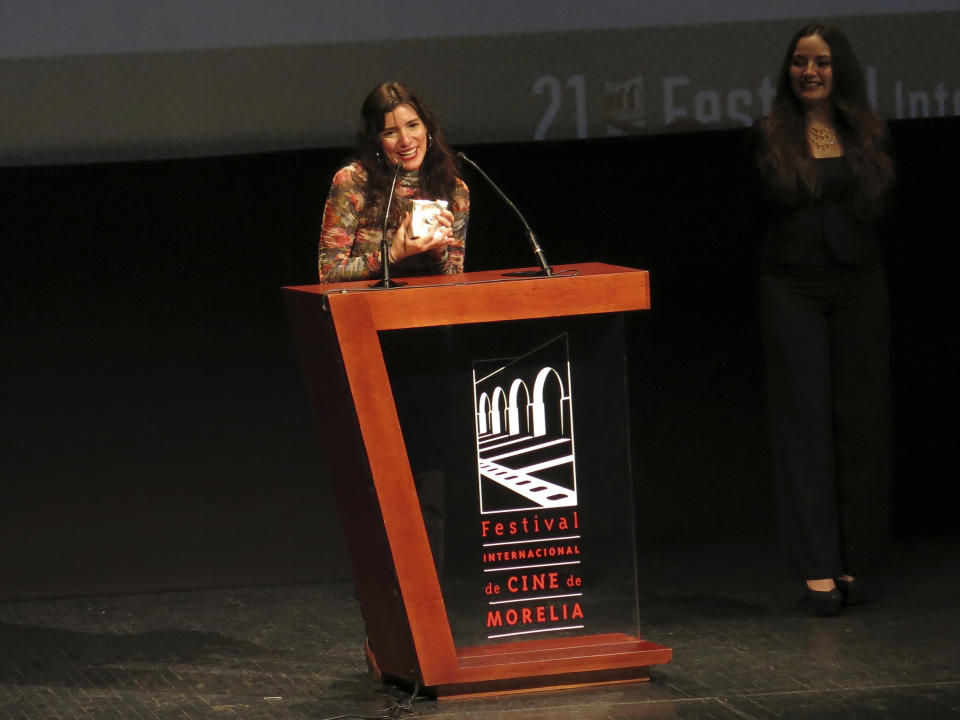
(352, 229)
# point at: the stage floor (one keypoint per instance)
(743, 649)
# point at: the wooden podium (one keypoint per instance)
(409, 633)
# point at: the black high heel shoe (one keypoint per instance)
(823, 603)
(851, 591)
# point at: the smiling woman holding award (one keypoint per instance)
(401, 159)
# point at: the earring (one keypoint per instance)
(379, 157)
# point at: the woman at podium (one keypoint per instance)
(399, 147)
(824, 314)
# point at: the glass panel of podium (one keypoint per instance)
(518, 439)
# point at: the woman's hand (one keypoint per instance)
(438, 236)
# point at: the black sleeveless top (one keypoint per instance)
(823, 231)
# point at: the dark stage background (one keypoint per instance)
(155, 428)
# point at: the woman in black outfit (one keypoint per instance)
(824, 314)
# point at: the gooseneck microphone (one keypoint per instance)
(386, 282)
(544, 266)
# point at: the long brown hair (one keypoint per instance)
(438, 173)
(784, 156)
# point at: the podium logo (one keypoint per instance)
(524, 430)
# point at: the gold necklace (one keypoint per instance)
(822, 138)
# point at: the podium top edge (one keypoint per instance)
(560, 272)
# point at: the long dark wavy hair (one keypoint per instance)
(784, 156)
(438, 173)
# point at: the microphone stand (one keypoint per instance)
(386, 282)
(545, 268)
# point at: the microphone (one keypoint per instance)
(545, 268)
(386, 282)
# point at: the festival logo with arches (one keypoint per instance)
(524, 431)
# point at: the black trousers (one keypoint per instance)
(826, 343)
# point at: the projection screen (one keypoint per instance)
(106, 80)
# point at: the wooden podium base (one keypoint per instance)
(612, 659)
